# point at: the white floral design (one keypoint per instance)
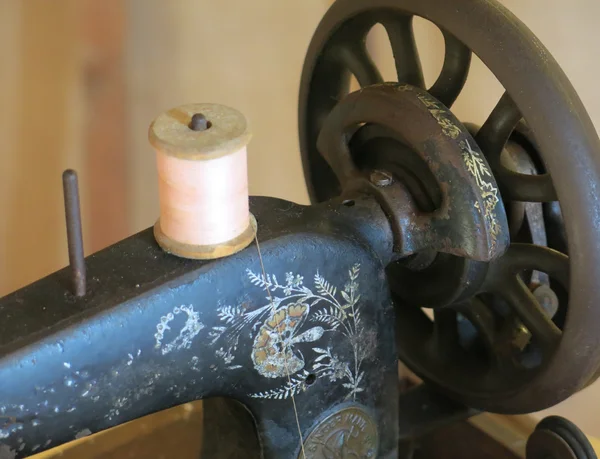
(278, 326)
(186, 335)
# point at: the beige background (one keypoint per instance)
(245, 54)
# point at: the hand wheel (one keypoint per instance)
(496, 342)
(558, 438)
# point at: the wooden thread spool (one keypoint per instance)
(203, 181)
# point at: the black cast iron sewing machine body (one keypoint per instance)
(412, 211)
(155, 331)
(318, 324)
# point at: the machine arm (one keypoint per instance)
(155, 331)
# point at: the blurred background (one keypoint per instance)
(80, 81)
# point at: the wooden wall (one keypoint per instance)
(80, 80)
(245, 54)
(62, 89)
(38, 130)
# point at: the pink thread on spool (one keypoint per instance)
(203, 181)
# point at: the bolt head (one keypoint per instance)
(381, 178)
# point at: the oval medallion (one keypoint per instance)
(347, 433)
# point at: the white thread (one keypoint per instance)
(264, 273)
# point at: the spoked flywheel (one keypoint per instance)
(490, 307)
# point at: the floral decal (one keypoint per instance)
(297, 314)
(484, 179)
(441, 115)
(273, 350)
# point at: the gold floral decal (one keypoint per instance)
(441, 115)
(279, 330)
(479, 169)
(273, 350)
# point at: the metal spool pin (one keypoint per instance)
(74, 232)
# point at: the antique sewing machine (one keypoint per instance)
(469, 253)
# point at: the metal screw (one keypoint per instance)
(381, 178)
(199, 122)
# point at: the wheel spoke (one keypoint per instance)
(496, 130)
(404, 48)
(457, 61)
(482, 319)
(522, 257)
(555, 227)
(525, 305)
(535, 220)
(517, 159)
(529, 188)
(358, 61)
(499, 345)
(515, 211)
(492, 138)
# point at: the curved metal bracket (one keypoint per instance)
(470, 220)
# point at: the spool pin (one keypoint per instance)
(203, 181)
